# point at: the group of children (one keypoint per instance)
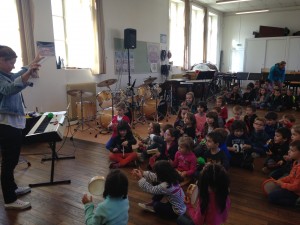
(201, 146)
(264, 95)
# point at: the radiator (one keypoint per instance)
(89, 103)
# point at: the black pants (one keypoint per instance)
(10, 144)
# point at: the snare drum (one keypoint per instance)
(192, 193)
(105, 99)
(88, 109)
(144, 92)
(105, 117)
(150, 109)
(269, 186)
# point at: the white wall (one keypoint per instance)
(148, 17)
(240, 27)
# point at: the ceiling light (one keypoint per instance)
(230, 1)
(255, 11)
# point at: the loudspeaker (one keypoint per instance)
(129, 38)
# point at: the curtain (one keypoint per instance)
(187, 9)
(25, 13)
(99, 37)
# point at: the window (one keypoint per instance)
(9, 25)
(212, 38)
(74, 32)
(197, 31)
(195, 40)
(177, 31)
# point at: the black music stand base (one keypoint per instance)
(50, 183)
(53, 158)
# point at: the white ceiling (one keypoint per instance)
(272, 5)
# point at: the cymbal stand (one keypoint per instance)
(81, 123)
(142, 118)
(169, 100)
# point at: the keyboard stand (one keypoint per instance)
(53, 158)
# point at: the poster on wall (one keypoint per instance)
(121, 62)
(45, 49)
(153, 50)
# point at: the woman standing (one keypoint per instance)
(12, 121)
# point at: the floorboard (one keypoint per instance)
(61, 204)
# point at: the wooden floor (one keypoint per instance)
(61, 204)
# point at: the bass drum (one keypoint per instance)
(88, 110)
(105, 117)
(149, 109)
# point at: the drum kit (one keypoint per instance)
(147, 103)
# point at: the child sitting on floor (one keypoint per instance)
(120, 116)
(277, 148)
(289, 187)
(213, 202)
(115, 196)
(167, 147)
(214, 154)
(162, 182)
(200, 117)
(259, 138)
(221, 102)
(185, 160)
(239, 146)
(121, 148)
(250, 117)
(237, 111)
(272, 123)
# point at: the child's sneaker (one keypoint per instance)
(147, 207)
(22, 190)
(18, 204)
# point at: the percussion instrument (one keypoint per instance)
(144, 92)
(105, 117)
(96, 185)
(107, 83)
(150, 110)
(79, 93)
(192, 193)
(269, 186)
(88, 109)
(105, 99)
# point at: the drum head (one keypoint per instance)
(96, 185)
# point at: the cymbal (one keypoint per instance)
(79, 93)
(106, 83)
(149, 80)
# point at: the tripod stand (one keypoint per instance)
(81, 94)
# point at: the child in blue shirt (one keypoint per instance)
(114, 209)
(239, 146)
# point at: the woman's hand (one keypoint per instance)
(86, 199)
(124, 143)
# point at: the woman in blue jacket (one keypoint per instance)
(277, 74)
